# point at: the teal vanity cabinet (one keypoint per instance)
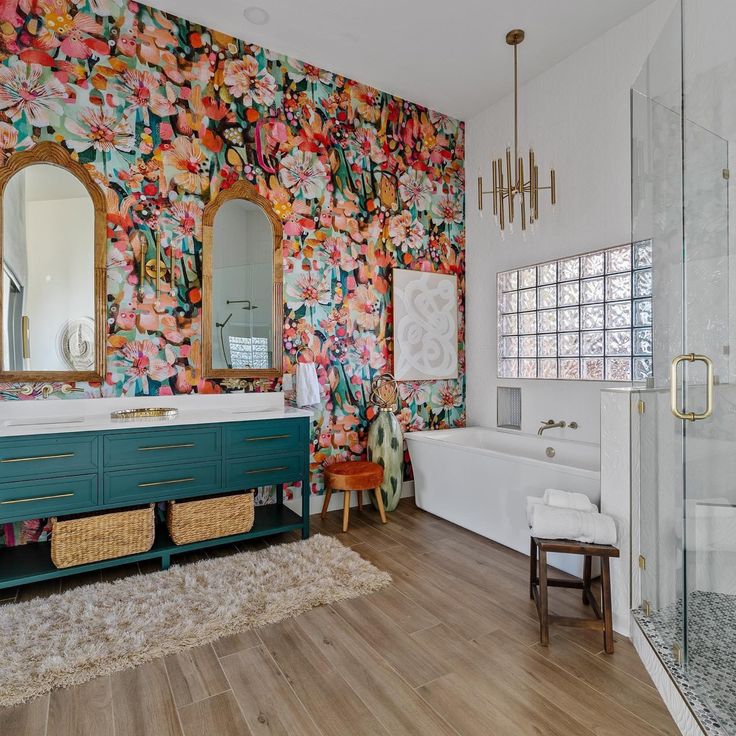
(68, 457)
(77, 472)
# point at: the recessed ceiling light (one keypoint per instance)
(257, 16)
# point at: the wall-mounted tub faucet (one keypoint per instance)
(551, 424)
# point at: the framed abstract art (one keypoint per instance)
(425, 326)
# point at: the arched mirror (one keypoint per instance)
(53, 268)
(242, 318)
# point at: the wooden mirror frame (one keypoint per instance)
(48, 152)
(246, 191)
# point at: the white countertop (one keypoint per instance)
(56, 416)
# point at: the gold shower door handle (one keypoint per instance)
(691, 416)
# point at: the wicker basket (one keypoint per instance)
(209, 518)
(85, 539)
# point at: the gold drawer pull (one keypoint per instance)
(37, 498)
(266, 470)
(36, 457)
(269, 437)
(165, 482)
(165, 447)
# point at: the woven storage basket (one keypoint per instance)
(101, 536)
(209, 518)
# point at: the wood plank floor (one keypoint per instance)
(449, 649)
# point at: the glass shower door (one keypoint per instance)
(708, 401)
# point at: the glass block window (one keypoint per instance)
(248, 352)
(585, 318)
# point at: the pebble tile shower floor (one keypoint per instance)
(707, 680)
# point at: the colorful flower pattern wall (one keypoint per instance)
(164, 114)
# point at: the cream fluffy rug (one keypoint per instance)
(72, 637)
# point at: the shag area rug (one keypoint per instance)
(72, 637)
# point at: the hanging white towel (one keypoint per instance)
(568, 500)
(549, 522)
(307, 385)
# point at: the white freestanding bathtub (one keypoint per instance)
(479, 479)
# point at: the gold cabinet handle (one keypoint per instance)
(268, 437)
(265, 470)
(36, 498)
(165, 482)
(165, 447)
(691, 416)
(36, 457)
(25, 328)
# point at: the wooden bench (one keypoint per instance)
(539, 583)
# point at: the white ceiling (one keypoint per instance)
(449, 55)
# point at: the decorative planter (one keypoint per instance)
(386, 447)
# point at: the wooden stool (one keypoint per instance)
(353, 476)
(538, 584)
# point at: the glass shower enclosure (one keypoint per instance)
(683, 108)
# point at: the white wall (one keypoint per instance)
(576, 116)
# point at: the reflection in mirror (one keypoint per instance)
(242, 283)
(48, 265)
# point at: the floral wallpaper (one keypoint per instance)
(164, 113)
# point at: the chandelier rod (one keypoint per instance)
(516, 103)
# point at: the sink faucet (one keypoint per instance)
(551, 424)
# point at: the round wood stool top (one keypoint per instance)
(356, 475)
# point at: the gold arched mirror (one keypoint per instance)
(242, 292)
(52, 250)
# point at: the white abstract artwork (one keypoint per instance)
(425, 325)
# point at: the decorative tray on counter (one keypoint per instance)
(129, 415)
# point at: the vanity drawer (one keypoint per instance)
(41, 457)
(266, 437)
(154, 447)
(162, 483)
(263, 471)
(49, 497)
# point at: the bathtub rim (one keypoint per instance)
(426, 438)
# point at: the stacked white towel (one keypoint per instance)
(564, 515)
(568, 500)
(307, 385)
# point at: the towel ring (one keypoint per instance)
(301, 349)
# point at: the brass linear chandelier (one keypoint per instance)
(510, 183)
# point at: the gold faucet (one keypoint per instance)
(551, 424)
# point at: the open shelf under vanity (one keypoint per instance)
(31, 563)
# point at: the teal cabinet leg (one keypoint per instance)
(165, 562)
(280, 493)
(306, 493)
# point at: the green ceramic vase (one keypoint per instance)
(386, 447)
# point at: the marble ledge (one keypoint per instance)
(49, 416)
(631, 389)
